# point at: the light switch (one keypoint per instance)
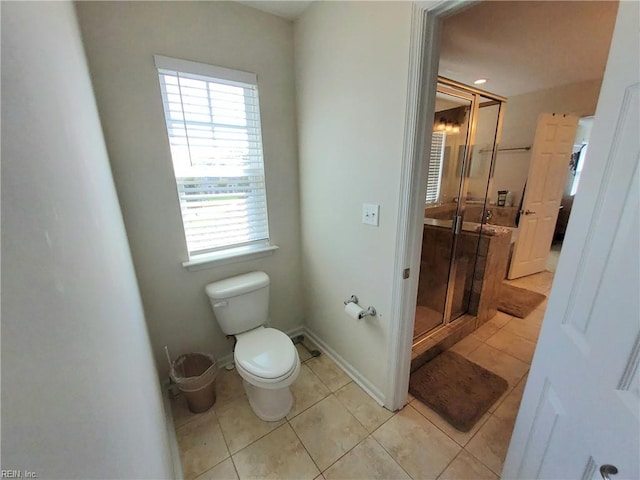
(370, 214)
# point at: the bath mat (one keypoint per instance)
(517, 301)
(458, 390)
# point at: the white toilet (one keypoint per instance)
(265, 358)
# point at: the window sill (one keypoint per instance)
(232, 255)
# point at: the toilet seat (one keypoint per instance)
(266, 357)
(270, 384)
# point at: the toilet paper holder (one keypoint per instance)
(370, 311)
(353, 299)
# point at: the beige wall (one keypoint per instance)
(80, 396)
(120, 39)
(351, 77)
(519, 128)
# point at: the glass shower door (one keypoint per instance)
(464, 143)
(446, 166)
(470, 252)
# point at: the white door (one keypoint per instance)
(581, 405)
(550, 157)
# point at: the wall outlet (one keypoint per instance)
(371, 214)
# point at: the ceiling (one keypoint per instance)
(445, 102)
(286, 9)
(519, 46)
(524, 46)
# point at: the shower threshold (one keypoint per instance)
(440, 339)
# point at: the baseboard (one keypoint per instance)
(225, 361)
(352, 372)
(171, 431)
(294, 332)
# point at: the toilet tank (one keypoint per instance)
(240, 303)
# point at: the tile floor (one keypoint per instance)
(336, 431)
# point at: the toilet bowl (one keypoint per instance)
(265, 358)
(268, 362)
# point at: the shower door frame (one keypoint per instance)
(465, 92)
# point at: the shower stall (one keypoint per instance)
(466, 132)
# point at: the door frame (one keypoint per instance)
(424, 56)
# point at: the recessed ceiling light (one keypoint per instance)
(480, 81)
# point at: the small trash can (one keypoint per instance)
(195, 376)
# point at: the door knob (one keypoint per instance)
(606, 470)
(528, 212)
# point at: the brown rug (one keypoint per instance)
(517, 301)
(457, 389)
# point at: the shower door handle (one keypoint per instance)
(456, 225)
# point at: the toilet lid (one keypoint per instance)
(265, 352)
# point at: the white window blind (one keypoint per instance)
(213, 123)
(434, 175)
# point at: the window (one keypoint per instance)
(213, 124)
(577, 165)
(434, 174)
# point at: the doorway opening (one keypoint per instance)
(576, 164)
(465, 41)
(505, 344)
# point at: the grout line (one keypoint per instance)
(255, 440)
(504, 353)
(388, 419)
(304, 446)
(307, 408)
(226, 443)
(211, 411)
(192, 416)
(317, 401)
(368, 434)
(345, 453)
(350, 380)
(391, 456)
(357, 421)
(349, 411)
(388, 452)
(286, 420)
(448, 464)
(480, 342)
(487, 466)
(488, 414)
(501, 400)
(234, 466)
(216, 465)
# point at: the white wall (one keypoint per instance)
(519, 128)
(120, 39)
(351, 78)
(80, 396)
(585, 126)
